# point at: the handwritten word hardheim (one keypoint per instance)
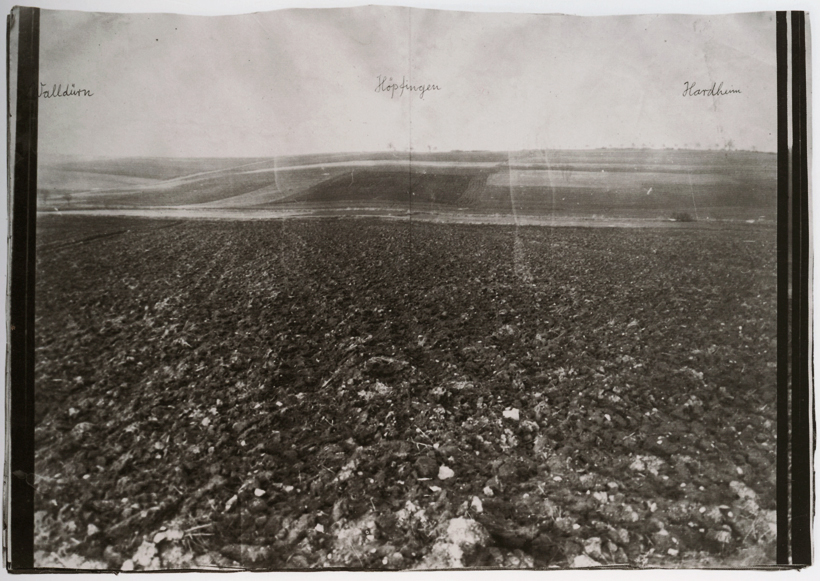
(387, 85)
(69, 91)
(690, 91)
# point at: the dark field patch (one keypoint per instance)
(397, 187)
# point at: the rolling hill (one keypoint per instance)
(605, 182)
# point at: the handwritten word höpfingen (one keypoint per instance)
(387, 85)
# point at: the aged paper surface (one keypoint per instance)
(391, 288)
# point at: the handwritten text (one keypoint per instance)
(715, 90)
(387, 85)
(59, 91)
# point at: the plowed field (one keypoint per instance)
(373, 394)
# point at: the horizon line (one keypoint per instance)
(408, 152)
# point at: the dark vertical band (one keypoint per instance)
(801, 438)
(21, 304)
(782, 292)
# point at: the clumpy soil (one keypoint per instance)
(371, 394)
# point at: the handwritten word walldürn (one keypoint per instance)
(58, 91)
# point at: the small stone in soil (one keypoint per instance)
(445, 472)
(584, 561)
(145, 554)
(476, 504)
(512, 414)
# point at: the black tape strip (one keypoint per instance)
(782, 292)
(801, 436)
(21, 305)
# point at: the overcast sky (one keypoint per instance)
(304, 81)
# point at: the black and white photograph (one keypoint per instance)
(392, 288)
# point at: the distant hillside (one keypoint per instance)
(640, 183)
